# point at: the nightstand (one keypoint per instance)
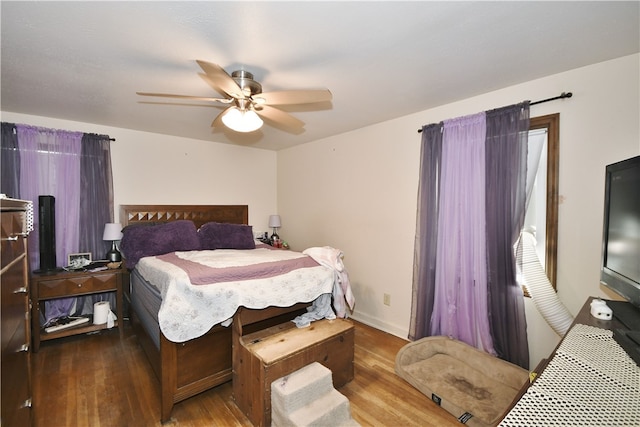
(61, 284)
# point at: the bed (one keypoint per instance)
(186, 365)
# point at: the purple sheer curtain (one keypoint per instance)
(10, 161)
(50, 165)
(96, 207)
(424, 262)
(96, 194)
(471, 199)
(506, 175)
(75, 168)
(460, 300)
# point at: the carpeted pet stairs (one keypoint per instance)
(306, 397)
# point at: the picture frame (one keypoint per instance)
(79, 260)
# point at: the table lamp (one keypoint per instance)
(113, 233)
(274, 222)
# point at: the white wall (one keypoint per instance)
(160, 169)
(357, 191)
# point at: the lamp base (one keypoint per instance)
(114, 255)
(275, 240)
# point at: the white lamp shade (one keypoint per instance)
(241, 120)
(274, 221)
(112, 231)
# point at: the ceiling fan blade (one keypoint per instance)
(280, 117)
(196, 98)
(220, 80)
(293, 97)
(211, 83)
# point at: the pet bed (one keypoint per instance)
(474, 386)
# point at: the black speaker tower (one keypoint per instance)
(47, 231)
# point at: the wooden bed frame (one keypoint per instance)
(186, 369)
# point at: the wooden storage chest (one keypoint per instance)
(261, 357)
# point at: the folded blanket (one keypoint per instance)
(332, 257)
(252, 267)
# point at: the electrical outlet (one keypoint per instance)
(387, 299)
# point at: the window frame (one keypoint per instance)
(551, 123)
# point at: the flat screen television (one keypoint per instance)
(620, 268)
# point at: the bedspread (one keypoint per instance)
(189, 310)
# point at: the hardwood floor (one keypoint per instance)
(99, 380)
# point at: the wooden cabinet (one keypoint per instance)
(61, 284)
(14, 284)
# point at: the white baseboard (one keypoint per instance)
(383, 326)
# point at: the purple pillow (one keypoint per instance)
(217, 235)
(140, 241)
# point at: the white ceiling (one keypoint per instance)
(84, 61)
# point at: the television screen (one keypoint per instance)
(621, 232)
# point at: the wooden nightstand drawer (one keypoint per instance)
(77, 285)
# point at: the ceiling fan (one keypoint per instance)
(247, 103)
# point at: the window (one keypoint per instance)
(543, 208)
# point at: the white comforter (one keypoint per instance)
(189, 311)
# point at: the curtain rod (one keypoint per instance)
(561, 96)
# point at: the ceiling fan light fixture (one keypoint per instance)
(241, 120)
(248, 103)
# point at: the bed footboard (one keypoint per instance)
(186, 369)
(194, 366)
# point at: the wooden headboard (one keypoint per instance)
(199, 214)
